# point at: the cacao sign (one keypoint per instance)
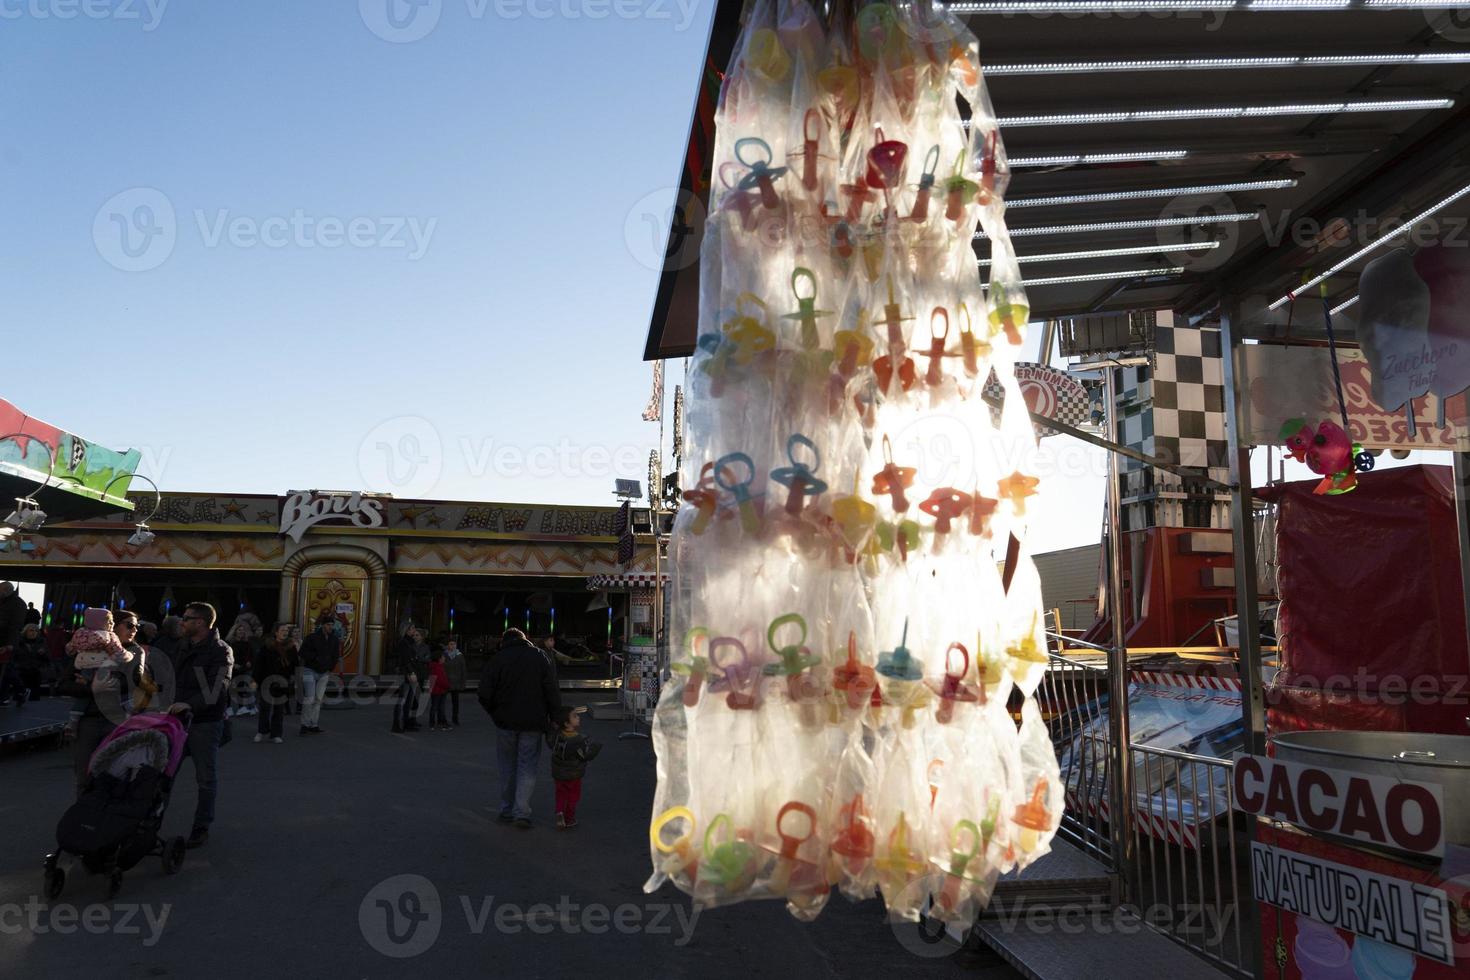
(1372, 809)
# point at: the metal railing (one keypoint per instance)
(1186, 874)
(1191, 873)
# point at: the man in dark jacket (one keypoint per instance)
(409, 657)
(12, 614)
(320, 654)
(202, 669)
(518, 689)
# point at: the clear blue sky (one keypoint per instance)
(522, 148)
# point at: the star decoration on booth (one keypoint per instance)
(412, 513)
(265, 516)
(434, 521)
(1016, 488)
(233, 508)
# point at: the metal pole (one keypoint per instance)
(1243, 533)
(1462, 519)
(1247, 603)
(1120, 787)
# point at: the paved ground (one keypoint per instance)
(312, 833)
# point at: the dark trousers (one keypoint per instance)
(272, 697)
(203, 748)
(454, 706)
(436, 709)
(406, 710)
(568, 794)
(10, 681)
(91, 730)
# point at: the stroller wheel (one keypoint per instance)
(173, 855)
(114, 884)
(55, 882)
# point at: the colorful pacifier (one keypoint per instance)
(899, 863)
(961, 853)
(696, 667)
(787, 862)
(680, 852)
(1016, 488)
(952, 689)
(971, 348)
(855, 519)
(937, 339)
(747, 332)
(729, 479)
(944, 505)
(854, 678)
(792, 658)
(704, 499)
(885, 167)
(1033, 818)
(981, 510)
(896, 361)
(854, 842)
(762, 175)
(812, 125)
(894, 479)
(730, 864)
(800, 479)
(740, 675)
(901, 535)
(920, 212)
(805, 281)
(958, 188)
(1008, 313)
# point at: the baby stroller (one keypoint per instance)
(115, 822)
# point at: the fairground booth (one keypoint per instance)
(377, 564)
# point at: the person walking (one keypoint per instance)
(518, 690)
(438, 686)
(244, 638)
(105, 698)
(320, 654)
(12, 614)
(457, 669)
(570, 753)
(202, 669)
(274, 674)
(405, 667)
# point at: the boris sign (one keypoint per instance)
(1376, 810)
(305, 509)
(1411, 915)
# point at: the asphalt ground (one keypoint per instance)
(362, 854)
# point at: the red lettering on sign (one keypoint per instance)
(1279, 802)
(1249, 798)
(1428, 836)
(1325, 818)
(1360, 812)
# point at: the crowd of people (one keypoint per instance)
(114, 665)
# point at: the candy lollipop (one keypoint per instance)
(920, 212)
(885, 167)
(953, 689)
(1033, 818)
(986, 191)
(894, 479)
(981, 510)
(859, 193)
(854, 678)
(902, 534)
(695, 668)
(804, 281)
(899, 675)
(762, 175)
(853, 349)
(895, 360)
(680, 851)
(792, 661)
(729, 479)
(799, 478)
(749, 335)
(743, 202)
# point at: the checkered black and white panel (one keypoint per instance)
(1189, 396)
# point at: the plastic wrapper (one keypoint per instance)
(843, 652)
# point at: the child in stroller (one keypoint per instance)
(115, 822)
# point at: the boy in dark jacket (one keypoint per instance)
(570, 753)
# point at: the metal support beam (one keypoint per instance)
(1120, 786)
(1462, 518)
(1247, 601)
(1243, 532)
